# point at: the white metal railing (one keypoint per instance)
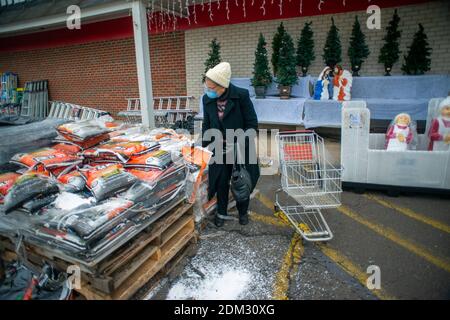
(167, 110)
(70, 111)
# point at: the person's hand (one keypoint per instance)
(447, 139)
(400, 137)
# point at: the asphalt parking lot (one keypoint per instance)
(407, 238)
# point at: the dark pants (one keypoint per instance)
(223, 189)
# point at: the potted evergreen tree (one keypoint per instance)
(358, 50)
(261, 74)
(390, 52)
(276, 44)
(305, 49)
(213, 57)
(286, 75)
(332, 52)
(418, 61)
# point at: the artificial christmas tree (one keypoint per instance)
(305, 49)
(418, 59)
(358, 50)
(261, 74)
(390, 52)
(287, 75)
(332, 51)
(276, 45)
(213, 56)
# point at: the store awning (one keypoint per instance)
(27, 17)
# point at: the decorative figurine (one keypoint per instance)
(439, 133)
(342, 82)
(321, 90)
(400, 133)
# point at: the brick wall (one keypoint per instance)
(238, 42)
(102, 74)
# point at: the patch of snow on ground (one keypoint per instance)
(230, 266)
(225, 285)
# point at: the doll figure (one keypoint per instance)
(439, 133)
(321, 91)
(342, 83)
(400, 133)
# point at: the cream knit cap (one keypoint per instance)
(444, 103)
(220, 74)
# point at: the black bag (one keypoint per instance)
(241, 181)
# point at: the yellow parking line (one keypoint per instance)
(265, 201)
(282, 278)
(410, 213)
(267, 219)
(353, 270)
(282, 282)
(442, 263)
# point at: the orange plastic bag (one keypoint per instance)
(6, 182)
(83, 144)
(148, 175)
(47, 158)
(82, 130)
(200, 158)
(69, 148)
(106, 180)
(158, 159)
(72, 181)
(119, 151)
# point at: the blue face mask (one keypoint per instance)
(211, 93)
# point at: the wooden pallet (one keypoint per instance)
(127, 269)
(171, 270)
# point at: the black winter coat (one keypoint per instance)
(239, 114)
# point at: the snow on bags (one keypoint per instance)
(107, 180)
(119, 151)
(30, 185)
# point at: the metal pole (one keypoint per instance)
(143, 62)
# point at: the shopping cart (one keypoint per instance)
(309, 178)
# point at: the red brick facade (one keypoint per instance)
(102, 74)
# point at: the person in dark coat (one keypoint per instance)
(227, 107)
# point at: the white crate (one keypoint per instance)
(364, 159)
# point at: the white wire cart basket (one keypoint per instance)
(309, 178)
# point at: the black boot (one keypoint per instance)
(218, 221)
(243, 219)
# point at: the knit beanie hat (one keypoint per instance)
(220, 74)
(444, 103)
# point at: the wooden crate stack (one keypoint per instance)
(130, 267)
